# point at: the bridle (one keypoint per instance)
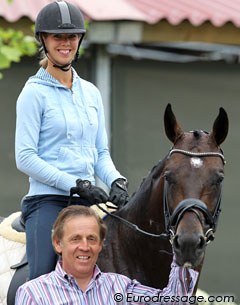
(192, 204)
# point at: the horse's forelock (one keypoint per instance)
(197, 133)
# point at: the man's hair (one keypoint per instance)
(75, 211)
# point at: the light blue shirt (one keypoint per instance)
(60, 135)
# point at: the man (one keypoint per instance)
(78, 235)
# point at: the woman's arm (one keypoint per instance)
(30, 107)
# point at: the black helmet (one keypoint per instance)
(59, 17)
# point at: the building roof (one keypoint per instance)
(217, 12)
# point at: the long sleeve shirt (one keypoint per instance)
(60, 135)
(59, 288)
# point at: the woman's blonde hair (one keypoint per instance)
(43, 62)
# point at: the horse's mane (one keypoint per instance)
(145, 186)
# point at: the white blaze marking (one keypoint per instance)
(196, 162)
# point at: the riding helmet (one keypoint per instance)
(59, 17)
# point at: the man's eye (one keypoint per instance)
(92, 238)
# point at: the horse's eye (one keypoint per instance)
(166, 175)
(169, 177)
(218, 179)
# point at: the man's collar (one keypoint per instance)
(61, 272)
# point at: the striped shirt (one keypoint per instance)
(59, 288)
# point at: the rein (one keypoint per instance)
(137, 229)
(128, 223)
(132, 225)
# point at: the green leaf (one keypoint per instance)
(4, 61)
(14, 45)
(11, 53)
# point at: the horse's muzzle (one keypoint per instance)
(188, 238)
(189, 249)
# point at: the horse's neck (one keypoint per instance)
(145, 208)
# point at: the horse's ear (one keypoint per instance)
(172, 128)
(220, 127)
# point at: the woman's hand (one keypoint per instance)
(91, 193)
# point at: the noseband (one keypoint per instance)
(191, 204)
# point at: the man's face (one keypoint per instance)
(80, 246)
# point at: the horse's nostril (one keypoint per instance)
(176, 244)
(202, 242)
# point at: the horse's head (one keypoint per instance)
(193, 178)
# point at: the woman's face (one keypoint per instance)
(61, 48)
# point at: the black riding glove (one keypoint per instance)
(91, 193)
(118, 193)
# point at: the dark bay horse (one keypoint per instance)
(176, 208)
(181, 197)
